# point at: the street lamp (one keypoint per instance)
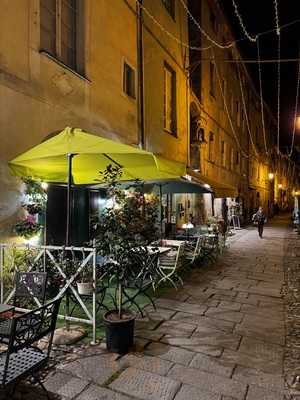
(280, 186)
(271, 176)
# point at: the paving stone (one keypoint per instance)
(146, 323)
(261, 332)
(233, 316)
(193, 393)
(263, 311)
(252, 376)
(229, 305)
(212, 365)
(194, 344)
(145, 385)
(209, 382)
(267, 351)
(65, 384)
(149, 335)
(94, 368)
(94, 392)
(181, 306)
(170, 353)
(244, 298)
(173, 294)
(222, 325)
(176, 326)
(158, 314)
(252, 361)
(258, 393)
(147, 363)
(216, 338)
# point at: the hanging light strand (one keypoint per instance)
(246, 114)
(278, 72)
(278, 96)
(261, 99)
(186, 45)
(242, 25)
(163, 29)
(204, 33)
(276, 18)
(226, 109)
(296, 111)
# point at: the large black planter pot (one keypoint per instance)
(119, 333)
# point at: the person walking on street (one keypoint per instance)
(259, 219)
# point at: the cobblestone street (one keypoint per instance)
(221, 337)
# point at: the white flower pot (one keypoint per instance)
(85, 288)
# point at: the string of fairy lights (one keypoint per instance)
(239, 17)
(261, 98)
(246, 114)
(252, 38)
(295, 111)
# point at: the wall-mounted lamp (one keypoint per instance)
(44, 185)
(280, 186)
(271, 176)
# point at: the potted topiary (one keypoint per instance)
(128, 222)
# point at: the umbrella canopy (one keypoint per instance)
(179, 185)
(48, 161)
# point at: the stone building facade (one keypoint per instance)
(122, 69)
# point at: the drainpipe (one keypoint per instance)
(140, 74)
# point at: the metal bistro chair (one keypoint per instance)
(193, 250)
(144, 276)
(210, 247)
(169, 265)
(23, 358)
(30, 291)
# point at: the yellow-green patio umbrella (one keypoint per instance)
(75, 156)
(48, 161)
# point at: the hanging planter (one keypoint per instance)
(28, 228)
(85, 288)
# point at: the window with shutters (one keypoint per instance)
(61, 31)
(170, 118)
(223, 153)
(129, 80)
(211, 147)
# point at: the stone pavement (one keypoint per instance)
(221, 337)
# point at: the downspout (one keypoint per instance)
(140, 74)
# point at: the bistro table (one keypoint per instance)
(174, 243)
(160, 249)
(5, 308)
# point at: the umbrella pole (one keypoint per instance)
(161, 211)
(68, 227)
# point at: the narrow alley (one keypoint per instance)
(221, 337)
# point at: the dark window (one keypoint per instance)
(223, 154)
(129, 80)
(211, 146)
(61, 31)
(170, 117)
(170, 6)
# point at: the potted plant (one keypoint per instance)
(128, 222)
(28, 227)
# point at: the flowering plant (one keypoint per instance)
(27, 227)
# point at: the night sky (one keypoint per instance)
(259, 16)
